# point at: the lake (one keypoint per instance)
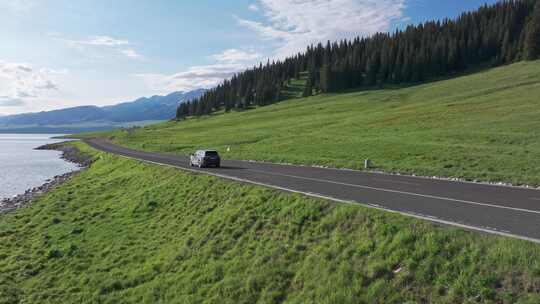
(22, 167)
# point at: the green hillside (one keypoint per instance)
(125, 232)
(480, 126)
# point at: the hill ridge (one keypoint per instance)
(156, 107)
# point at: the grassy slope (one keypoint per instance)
(125, 232)
(481, 126)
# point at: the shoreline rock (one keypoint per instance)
(69, 153)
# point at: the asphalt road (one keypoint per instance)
(509, 211)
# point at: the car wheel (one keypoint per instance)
(200, 164)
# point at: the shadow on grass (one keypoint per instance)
(398, 86)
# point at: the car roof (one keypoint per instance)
(207, 151)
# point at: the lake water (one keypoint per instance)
(22, 167)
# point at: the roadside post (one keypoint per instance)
(367, 164)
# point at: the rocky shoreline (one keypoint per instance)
(69, 153)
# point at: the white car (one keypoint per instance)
(205, 158)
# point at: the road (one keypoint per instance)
(509, 211)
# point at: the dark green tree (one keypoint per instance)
(308, 89)
(532, 36)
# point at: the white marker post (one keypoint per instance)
(367, 164)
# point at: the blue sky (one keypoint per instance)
(61, 53)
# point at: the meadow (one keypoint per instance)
(126, 232)
(481, 126)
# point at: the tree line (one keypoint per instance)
(505, 32)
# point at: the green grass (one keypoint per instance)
(126, 232)
(295, 87)
(481, 126)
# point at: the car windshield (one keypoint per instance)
(211, 153)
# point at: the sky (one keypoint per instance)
(63, 53)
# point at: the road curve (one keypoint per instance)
(509, 211)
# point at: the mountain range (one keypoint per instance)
(92, 118)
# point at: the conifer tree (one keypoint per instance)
(324, 82)
(308, 89)
(532, 37)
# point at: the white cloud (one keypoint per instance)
(18, 6)
(103, 40)
(293, 25)
(10, 102)
(21, 81)
(196, 77)
(227, 63)
(131, 53)
(236, 55)
(100, 46)
(253, 7)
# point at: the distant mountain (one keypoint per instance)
(87, 118)
(56, 117)
(152, 108)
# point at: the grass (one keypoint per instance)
(482, 126)
(127, 232)
(294, 88)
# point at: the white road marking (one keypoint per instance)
(400, 192)
(396, 182)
